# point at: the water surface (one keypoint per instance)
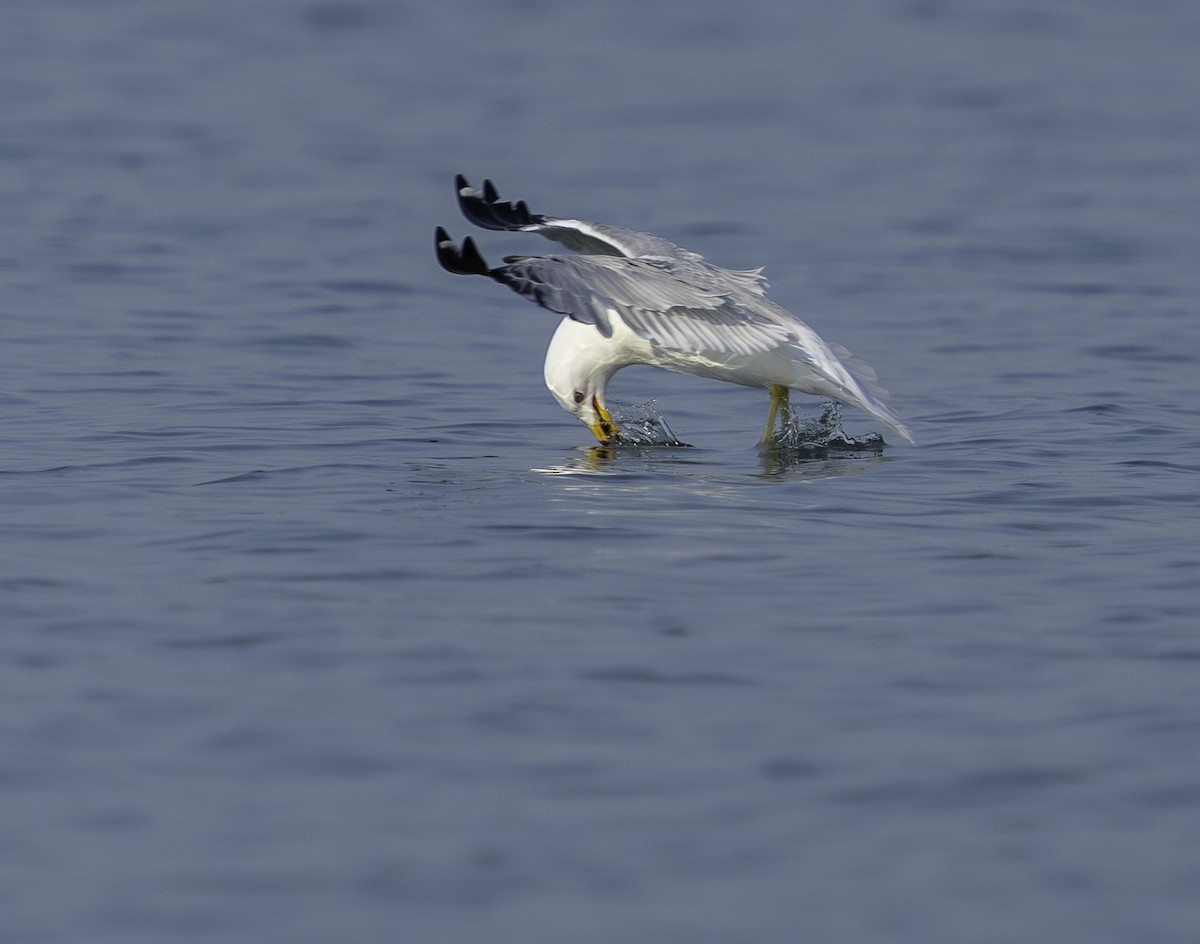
(323, 622)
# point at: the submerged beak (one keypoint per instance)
(605, 428)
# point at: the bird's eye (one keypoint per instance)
(579, 396)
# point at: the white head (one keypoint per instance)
(577, 372)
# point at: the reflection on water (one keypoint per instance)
(616, 459)
(822, 456)
(814, 445)
(643, 467)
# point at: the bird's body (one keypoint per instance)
(633, 298)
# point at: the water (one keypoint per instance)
(322, 622)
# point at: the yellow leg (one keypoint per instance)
(779, 402)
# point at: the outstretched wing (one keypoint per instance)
(650, 296)
(484, 208)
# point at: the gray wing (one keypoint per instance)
(672, 304)
(651, 297)
(484, 208)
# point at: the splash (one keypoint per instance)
(642, 425)
(820, 436)
(814, 436)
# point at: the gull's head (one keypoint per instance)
(591, 412)
(577, 373)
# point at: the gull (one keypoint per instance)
(633, 298)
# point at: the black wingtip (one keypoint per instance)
(465, 261)
(473, 258)
(485, 209)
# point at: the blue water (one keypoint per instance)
(322, 622)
